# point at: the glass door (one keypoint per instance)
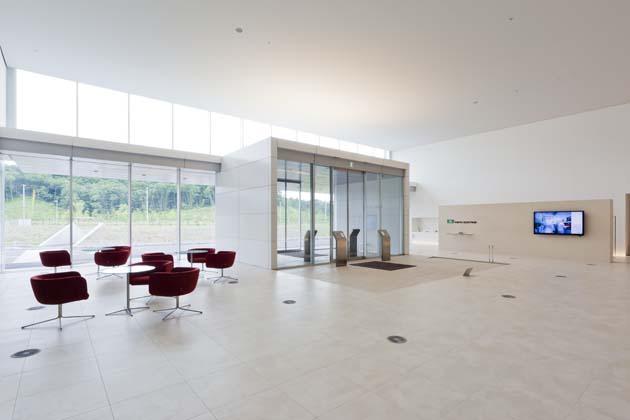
(322, 214)
(356, 215)
(340, 203)
(293, 208)
(372, 214)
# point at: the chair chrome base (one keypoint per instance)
(100, 276)
(127, 311)
(177, 306)
(222, 276)
(59, 317)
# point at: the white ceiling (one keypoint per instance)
(389, 73)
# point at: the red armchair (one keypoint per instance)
(55, 258)
(199, 258)
(143, 279)
(181, 281)
(111, 258)
(220, 261)
(157, 256)
(57, 289)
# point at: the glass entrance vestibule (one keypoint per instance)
(313, 200)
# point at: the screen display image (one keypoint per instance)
(559, 223)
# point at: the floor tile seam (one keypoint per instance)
(86, 412)
(100, 372)
(276, 387)
(17, 393)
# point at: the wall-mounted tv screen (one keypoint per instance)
(559, 223)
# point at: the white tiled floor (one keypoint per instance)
(560, 350)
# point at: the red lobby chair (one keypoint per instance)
(143, 279)
(199, 258)
(157, 256)
(181, 281)
(55, 258)
(220, 261)
(111, 258)
(57, 289)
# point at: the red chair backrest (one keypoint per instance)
(59, 288)
(157, 256)
(180, 281)
(199, 258)
(111, 258)
(222, 259)
(55, 258)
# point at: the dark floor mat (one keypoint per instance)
(382, 265)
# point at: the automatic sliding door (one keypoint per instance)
(293, 213)
(372, 214)
(322, 214)
(356, 229)
(340, 203)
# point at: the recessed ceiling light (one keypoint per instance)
(239, 30)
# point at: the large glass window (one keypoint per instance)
(225, 133)
(36, 208)
(153, 209)
(308, 138)
(100, 206)
(329, 142)
(254, 132)
(103, 114)
(150, 122)
(347, 146)
(191, 129)
(46, 104)
(49, 104)
(197, 209)
(283, 133)
(294, 214)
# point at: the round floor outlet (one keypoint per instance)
(397, 339)
(35, 308)
(25, 353)
(509, 296)
(288, 302)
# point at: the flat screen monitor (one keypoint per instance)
(564, 223)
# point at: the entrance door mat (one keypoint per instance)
(382, 265)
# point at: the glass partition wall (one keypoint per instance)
(355, 202)
(52, 202)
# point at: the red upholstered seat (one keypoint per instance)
(180, 281)
(221, 260)
(139, 279)
(200, 257)
(112, 258)
(57, 258)
(157, 256)
(57, 289)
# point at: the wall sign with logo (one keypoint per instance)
(466, 222)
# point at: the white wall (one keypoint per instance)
(578, 157)
(244, 204)
(508, 228)
(3, 93)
